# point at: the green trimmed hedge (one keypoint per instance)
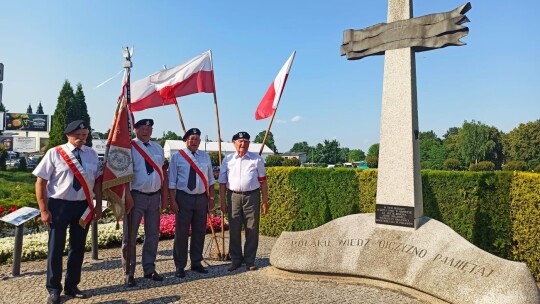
(497, 211)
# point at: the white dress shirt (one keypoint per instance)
(242, 173)
(54, 169)
(142, 181)
(179, 171)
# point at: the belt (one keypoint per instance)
(146, 193)
(189, 194)
(244, 192)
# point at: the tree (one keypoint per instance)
(168, 136)
(273, 160)
(214, 158)
(269, 140)
(450, 143)
(61, 116)
(373, 150)
(301, 147)
(475, 142)
(432, 152)
(79, 110)
(39, 109)
(523, 143)
(356, 155)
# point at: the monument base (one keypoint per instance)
(433, 259)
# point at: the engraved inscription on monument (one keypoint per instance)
(394, 215)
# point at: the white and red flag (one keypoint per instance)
(270, 101)
(118, 167)
(162, 88)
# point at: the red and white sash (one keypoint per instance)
(148, 159)
(192, 164)
(79, 173)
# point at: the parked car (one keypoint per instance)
(31, 163)
(13, 162)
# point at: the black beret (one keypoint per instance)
(192, 131)
(144, 122)
(75, 125)
(241, 134)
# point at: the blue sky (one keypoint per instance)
(494, 79)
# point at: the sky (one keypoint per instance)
(494, 79)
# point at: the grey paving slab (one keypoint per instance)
(102, 279)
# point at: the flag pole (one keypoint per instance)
(268, 130)
(127, 65)
(220, 256)
(180, 116)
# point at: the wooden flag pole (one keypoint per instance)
(180, 116)
(267, 131)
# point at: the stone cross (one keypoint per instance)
(399, 183)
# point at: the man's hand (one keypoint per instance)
(223, 206)
(129, 203)
(264, 208)
(174, 206)
(164, 202)
(46, 218)
(98, 212)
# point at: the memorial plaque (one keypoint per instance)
(394, 215)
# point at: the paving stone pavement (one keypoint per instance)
(103, 280)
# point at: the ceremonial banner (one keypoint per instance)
(270, 101)
(162, 88)
(118, 167)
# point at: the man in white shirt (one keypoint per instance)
(65, 188)
(191, 184)
(242, 178)
(148, 195)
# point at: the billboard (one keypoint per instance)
(24, 144)
(27, 122)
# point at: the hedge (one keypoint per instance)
(497, 211)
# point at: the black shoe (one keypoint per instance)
(75, 293)
(199, 269)
(53, 298)
(130, 281)
(154, 276)
(233, 267)
(180, 273)
(251, 267)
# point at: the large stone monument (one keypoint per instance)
(398, 244)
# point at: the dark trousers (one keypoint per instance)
(65, 214)
(193, 212)
(244, 210)
(147, 207)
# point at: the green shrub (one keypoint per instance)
(22, 164)
(537, 168)
(452, 164)
(515, 165)
(273, 160)
(291, 162)
(372, 161)
(525, 215)
(482, 166)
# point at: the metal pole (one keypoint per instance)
(17, 251)
(95, 240)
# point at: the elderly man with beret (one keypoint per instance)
(191, 182)
(148, 195)
(242, 178)
(65, 188)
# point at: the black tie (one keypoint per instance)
(149, 168)
(76, 183)
(192, 177)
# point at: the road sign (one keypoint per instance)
(1, 71)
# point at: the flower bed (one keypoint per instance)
(35, 245)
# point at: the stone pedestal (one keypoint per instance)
(433, 259)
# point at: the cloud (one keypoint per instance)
(296, 118)
(280, 121)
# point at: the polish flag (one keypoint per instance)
(270, 101)
(162, 88)
(118, 167)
